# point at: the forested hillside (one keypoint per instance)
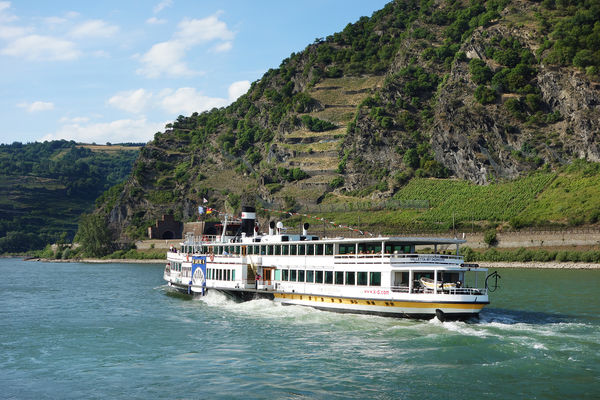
(484, 91)
(44, 188)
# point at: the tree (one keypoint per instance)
(94, 236)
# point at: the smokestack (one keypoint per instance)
(248, 219)
(305, 228)
(271, 227)
(279, 227)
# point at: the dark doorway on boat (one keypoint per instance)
(168, 235)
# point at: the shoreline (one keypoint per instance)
(484, 264)
(537, 264)
(99, 260)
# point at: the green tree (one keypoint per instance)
(94, 236)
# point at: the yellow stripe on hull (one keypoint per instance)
(380, 303)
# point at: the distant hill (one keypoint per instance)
(44, 188)
(483, 91)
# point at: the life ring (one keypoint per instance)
(187, 257)
(204, 239)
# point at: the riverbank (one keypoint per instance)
(99, 260)
(535, 264)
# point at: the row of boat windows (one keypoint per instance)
(176, 266)
(361, 278)
(220, 274)
(309, 249)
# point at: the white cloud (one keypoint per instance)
(4, 15)
(37, 47)
(6, 31)
(187, 100)
(94, 28)
(167, 58)
(37, 106)
(156, 21)
(73, 120)
(196, 31)
(223, 47)
(9, 32)
(162, 5)
(124, 130)
(236, 89)
(134, 101)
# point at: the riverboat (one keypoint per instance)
(395, 276)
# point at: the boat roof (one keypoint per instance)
(290, 238)
(400, 239)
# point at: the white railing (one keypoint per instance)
(463, 291)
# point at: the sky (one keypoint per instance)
(118, 71)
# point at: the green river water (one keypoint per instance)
(98, 331)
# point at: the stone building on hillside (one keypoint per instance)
(167, 228)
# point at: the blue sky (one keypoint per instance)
(118, 71)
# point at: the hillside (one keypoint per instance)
(44, 188)
(480, 91)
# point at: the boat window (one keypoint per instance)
(375, 279)
(285, 275)
(270, 250)
(263, 250)
(277, 249)
(362, 278)
(346, 248)
(318, 276)
(301, 249)
(292, 249)
(228, 275)
(233, 274)
(310, 276)
(396, 248)
(310, 249)
(419, 275)
(329, 277)
(329, 249)
(293, 275)
(319, 249)
(285, 249)
(300, 275)
(350, 278)
(339, 277)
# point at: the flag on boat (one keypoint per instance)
(209, 210)
(200, 210)
(204, 200)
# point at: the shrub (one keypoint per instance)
(490, 238)
(480, 72)
(485, 95)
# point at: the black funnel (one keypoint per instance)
(248, 220)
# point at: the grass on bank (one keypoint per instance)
(523, 254)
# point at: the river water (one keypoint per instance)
(73, 331)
